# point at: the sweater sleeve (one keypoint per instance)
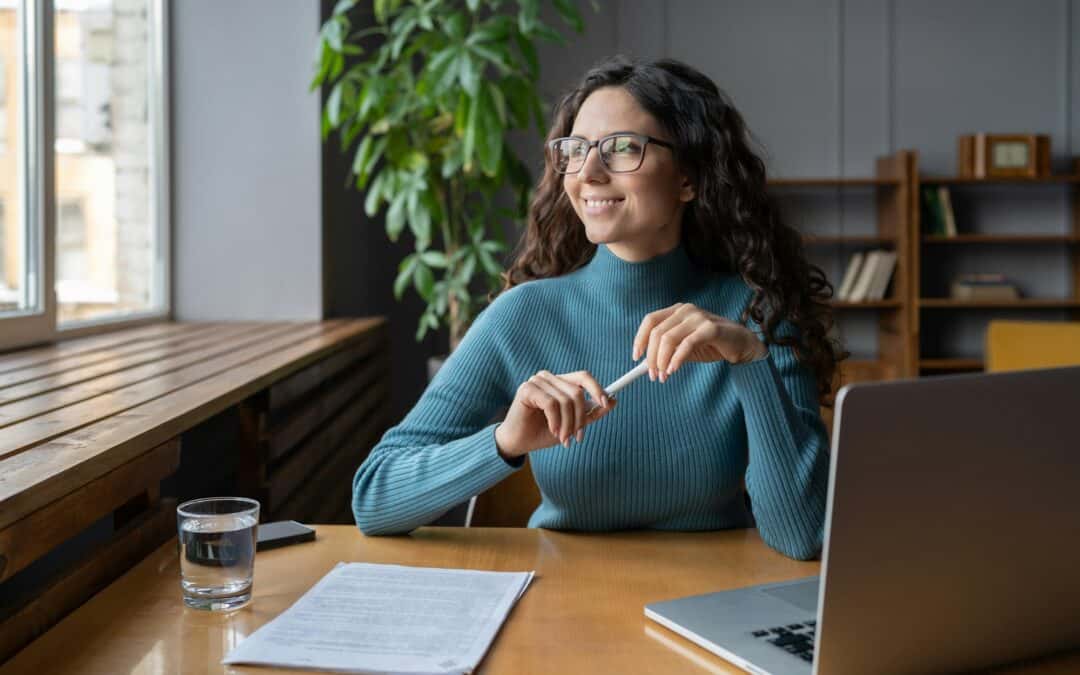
(443, 452)
(788, 470)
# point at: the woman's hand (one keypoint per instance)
(550, 409)
(669, 337)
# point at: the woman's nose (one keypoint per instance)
(593, 171)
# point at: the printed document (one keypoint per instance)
(394, 619)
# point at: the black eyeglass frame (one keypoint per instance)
(589, 145)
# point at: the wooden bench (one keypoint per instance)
(90, 427)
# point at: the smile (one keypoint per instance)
(601, 204)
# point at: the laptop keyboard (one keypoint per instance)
(796, 639)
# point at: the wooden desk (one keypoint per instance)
(582, 614)
(89, 427)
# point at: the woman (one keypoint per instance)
(651, 235)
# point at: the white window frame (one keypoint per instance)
(37, 182)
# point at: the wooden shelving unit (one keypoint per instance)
(1036, 239)
(989, 309)
(897, 189)
(891, 184)
(1020, 303)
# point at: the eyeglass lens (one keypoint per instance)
(618, 153)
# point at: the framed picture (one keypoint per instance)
(1004, 155)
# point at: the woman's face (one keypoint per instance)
(638, 214)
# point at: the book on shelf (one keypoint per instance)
(868, 277)
(850, 275)
(939, 219)
(945, 204)
(983, 287)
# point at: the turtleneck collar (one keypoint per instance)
(654, 283)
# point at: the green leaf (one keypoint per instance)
(365, 162)
(440, 66)
(473, 5)
(343, 6)
(549, 33)
(570, 14)
(405, 274)
(491, 266)
(528, 16)
(374, 194)
(419, 220)
(424, 281)
(528, 51)
(516, 92)
(402, 35)
(489, 144)
(472, 130)
(495, 29)
(469, 72)
(493, 246)
(381, 9)
(468, 268)
(436, 259)
(395, 216)
(454, 26)
(362, 153)
(497, 55)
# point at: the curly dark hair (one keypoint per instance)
(733, 225)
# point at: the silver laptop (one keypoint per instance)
(952, 537)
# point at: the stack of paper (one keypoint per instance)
(366, 618)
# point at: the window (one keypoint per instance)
(88, 218)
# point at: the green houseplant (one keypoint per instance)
(422, 95)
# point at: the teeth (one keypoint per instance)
(601, 202)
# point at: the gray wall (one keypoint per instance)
(827, 86)
(246, 161)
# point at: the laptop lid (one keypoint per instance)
(953, 537)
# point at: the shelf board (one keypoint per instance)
(1016, 180)
(847, 240)
(951, 364)
(831, 182)
(1002, 239)
(1022, 303)
(867, 304)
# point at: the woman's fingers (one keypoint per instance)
(670, 342)
(699, 335)
(564, 423)
(536, 396)
(576, 397)
(676, 318)
(584, 378)
(651, 321)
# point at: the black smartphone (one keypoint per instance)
(282, 533)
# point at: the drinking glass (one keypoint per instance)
(217, 551)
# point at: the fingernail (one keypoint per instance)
(652, 376)
(604, 399)
(663, 376)
(580, 436)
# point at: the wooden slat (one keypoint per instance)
(81, 347)
(285, 393)
(226, 341)
(130, 545)
(28, 539)
(36, 430)
(294, 471)
(287, 434)
(320, 487)
(79, 362)
(48, 471)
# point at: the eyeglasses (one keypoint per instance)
(619, 153)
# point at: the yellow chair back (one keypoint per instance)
(1020, 345)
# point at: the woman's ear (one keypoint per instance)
(687, 192)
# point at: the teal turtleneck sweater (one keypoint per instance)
(676, 455)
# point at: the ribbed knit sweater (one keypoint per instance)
(676, 455)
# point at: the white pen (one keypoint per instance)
(613, 388)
